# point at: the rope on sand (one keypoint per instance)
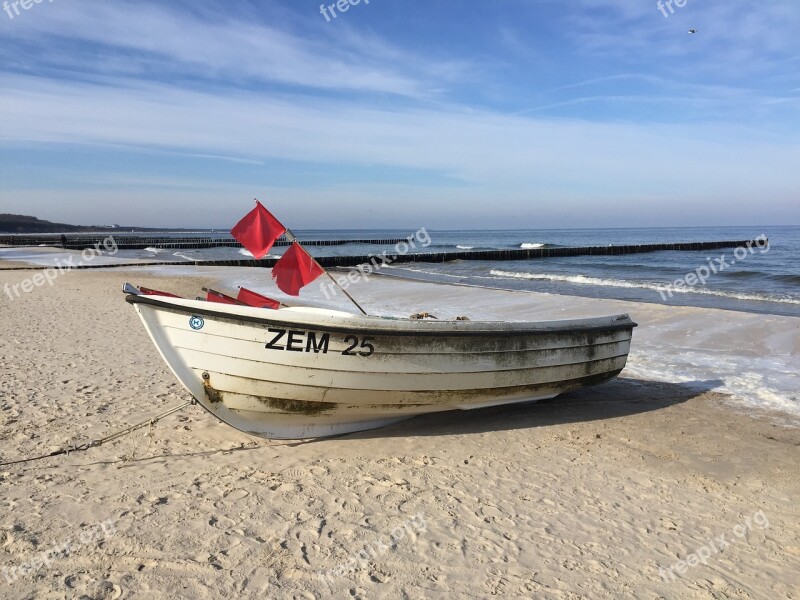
(99, 442)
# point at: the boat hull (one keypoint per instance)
(302, 373)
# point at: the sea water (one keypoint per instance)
(766, 280)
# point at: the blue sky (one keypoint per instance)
(444, 114)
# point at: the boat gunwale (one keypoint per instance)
(415, 331)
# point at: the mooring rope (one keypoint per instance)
(99, 442)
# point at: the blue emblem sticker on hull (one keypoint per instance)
(196, 322)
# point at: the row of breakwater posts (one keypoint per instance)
(434, 257)
(82, 242)
(500, 255)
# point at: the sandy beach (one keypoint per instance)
(594, 193)
(640, 488)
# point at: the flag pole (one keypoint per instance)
(343, 290)
(291, 238)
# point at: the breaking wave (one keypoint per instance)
(530, 245)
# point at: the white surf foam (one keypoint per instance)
(411, 270)
(619, 283)
(769, 383)
(465, 247)
(530, 245)
(248, 254)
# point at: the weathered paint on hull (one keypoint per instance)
(310, 373)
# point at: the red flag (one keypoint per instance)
(295, 269)
(149, 292)
(220, 298)
(258, 230)
(253, 299)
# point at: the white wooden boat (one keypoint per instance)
(308, 372)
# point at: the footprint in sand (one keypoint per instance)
(348, 506)
(318, 471)
(8, 539)
(496, 583)
(220, 522)
(394, 501)
(238, 494)
(295, 474)
(88, 588)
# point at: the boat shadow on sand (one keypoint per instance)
(619, 398)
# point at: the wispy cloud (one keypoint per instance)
(169, 40)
